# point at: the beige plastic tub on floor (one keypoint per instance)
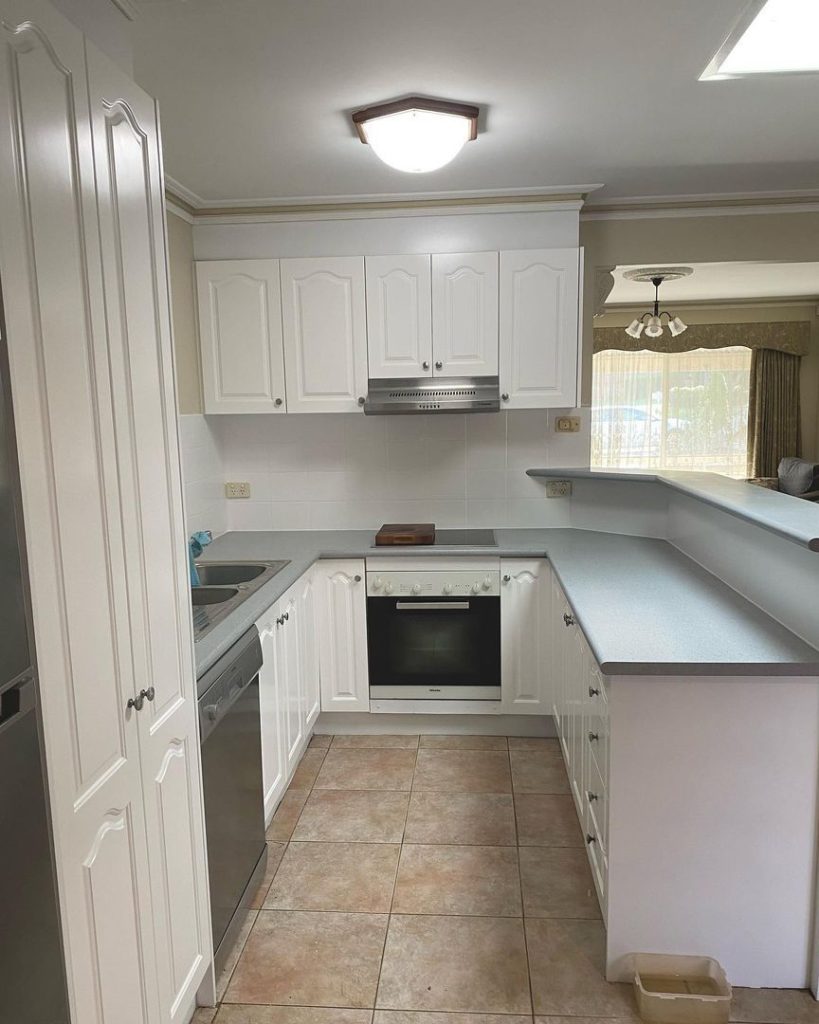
(681, 989)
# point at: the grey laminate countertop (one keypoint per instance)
(645, 608)
(794, 519)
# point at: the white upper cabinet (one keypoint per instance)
(539, 328)
(465, 314)
(325, 333)
(240, 334)
(399, 316)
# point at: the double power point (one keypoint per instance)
(237, 489)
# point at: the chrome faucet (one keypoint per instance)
(196, 544)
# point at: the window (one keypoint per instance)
(680, 410)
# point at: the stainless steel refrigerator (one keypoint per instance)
(32, 976)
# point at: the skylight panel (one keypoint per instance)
(781, 37)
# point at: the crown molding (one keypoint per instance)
(715, 204)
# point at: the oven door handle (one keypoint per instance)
(432, 606)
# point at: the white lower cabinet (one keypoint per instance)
(342, 620)
(581, 717)
(288, 685)
(527, 679)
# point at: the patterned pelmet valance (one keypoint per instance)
(791, 336)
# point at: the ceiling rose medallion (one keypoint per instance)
(415, 134)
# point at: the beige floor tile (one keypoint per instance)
(480, 880)
(581, 1020)
(409, 1017)
(204, 1015)
(774, 1006)
(557, 882)
(566, 964)
(467, 819)
(235, 1014)
(539, 771)
(468, 964)
(287, 814)
(233, 957)
(545, 820)
(356, 877)
(374, 742)
(322, 742)
(307, 959)
(275, 852)
(308, 768)
(366, 769)
(531, 742)
(462, 771)
(339, 816)
(464, 742)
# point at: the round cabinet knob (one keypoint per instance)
(361, 400)
(388, 588)
(505, 397)
(487, 582)
(594, 691)
(447, 588)
(378, 583)
(416, 588)
(356, 579)
(277, 402)
(590, 838)
(568, 620)
(425, 364)
(438, 364)
(507, 579)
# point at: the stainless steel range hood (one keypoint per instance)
(432, 394)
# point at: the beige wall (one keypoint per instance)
(183, 309)
(785, 237)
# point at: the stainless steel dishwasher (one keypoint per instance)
(230, 734)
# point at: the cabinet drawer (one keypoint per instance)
(597, 805)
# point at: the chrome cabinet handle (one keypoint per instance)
(505, 397)
(568, 620)
(356, 578)
(593, 737)
(277, 402)
(592, 796)
(438, 364)
(507, 579)
(593, 691)
(149, 694)
(590, 838)
(425, 364)
(361, 400)
(280, 620)
(286, 616)
(138, 702)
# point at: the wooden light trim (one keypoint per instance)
(466, 110)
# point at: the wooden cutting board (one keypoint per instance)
(406, 533)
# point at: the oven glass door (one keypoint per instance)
(432, 647)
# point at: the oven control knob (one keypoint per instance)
(388, 588)
(416, 588)
(378, 583)
(447, 588)
(487, 583)
(476, 588)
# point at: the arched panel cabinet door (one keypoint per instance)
(465, 314)
(342, 624)
(240, 334)
(399, 316)
(132, 233)
(539, 328)
(325, 334)
(61, 389)
(526, 670)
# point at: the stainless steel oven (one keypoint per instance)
(434, 634)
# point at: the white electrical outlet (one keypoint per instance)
(237, 489)
(558, 489)
(567, 424)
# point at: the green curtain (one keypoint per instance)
(773, 410)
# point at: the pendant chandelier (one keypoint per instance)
(652, 323)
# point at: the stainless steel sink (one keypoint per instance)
(221, 574)
(225, 585)
(201, 596)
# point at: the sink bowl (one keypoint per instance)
(212, 595)
(222, 574)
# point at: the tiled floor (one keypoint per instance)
(439, 880)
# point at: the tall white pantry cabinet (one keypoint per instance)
(84, 280)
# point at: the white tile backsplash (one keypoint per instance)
(355, 472)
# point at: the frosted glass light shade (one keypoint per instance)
(417, 141)
(676, 326)
(635, 328)
(654, 327)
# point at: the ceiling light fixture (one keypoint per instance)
(416, 134)
(772, 37)
(652, 323)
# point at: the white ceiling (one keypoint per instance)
(721, 281)
(255, 96)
